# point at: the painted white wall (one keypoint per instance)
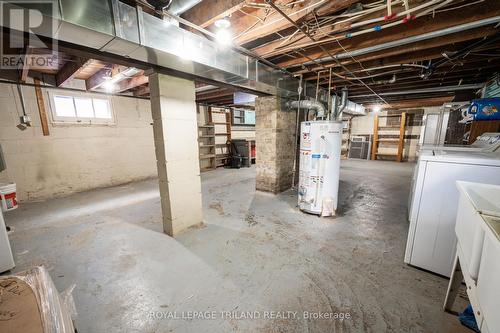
(74, 157)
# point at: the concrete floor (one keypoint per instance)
(257, 252)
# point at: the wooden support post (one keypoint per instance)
(375, 139)
(228, 125)
(41, 108)
(210, 118)
(401, 144)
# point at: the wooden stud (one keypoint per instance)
(401, 144)
(41, 108)
(375, 139)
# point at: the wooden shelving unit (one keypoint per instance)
(206, 143)
(221, 120)
(399, 131)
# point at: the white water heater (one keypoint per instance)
(319, 168)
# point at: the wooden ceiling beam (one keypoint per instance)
(142, 91)
(205, 15)
(468, 69)
(96, 80)
(250, 28)
(132, 83)
(70, 69)
(414, 28)
(415, 103)
(431, 49)
(288, 43)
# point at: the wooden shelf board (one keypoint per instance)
(207, 156)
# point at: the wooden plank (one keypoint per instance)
(96, 80)
(41, 108)
(274, 22)
(142, 91)
(420, 26)
(413, 103)
(401, 144)
(70, 69)
(375, 138)
(133, 82)
(205, 15)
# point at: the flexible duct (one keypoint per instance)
(318, 107)
(343, 104)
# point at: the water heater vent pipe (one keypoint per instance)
(318, 107)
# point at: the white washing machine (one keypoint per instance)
(486, 142)
(434, 200)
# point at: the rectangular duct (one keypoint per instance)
(117, 28)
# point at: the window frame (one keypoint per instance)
(83, 121)
(240, 117)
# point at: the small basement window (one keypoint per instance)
(243, 117)
(81, 108)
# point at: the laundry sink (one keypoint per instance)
(493, 223)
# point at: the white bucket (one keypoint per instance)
(8, 196)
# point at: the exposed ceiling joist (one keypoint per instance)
(70, 69)
(205, 15)
(416, 51)
(250, 27)
(131, 83)
(418, 27)
(415, 103)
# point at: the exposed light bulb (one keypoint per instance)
(377, 108)
(223, 23)
(224, 37)
(109, 86)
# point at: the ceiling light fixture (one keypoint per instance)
(223, 23)
(223, 34)
(377, 108)
(108, 85)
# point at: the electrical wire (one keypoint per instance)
(270, 2)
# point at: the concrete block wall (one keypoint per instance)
(74, 157)
(275, 142)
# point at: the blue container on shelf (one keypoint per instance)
(485, 109)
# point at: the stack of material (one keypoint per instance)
(30, 303)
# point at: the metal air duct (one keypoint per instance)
(318, 107)
(343, 103)
(160, 4)
(179, 7)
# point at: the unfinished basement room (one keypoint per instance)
(274, 166)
